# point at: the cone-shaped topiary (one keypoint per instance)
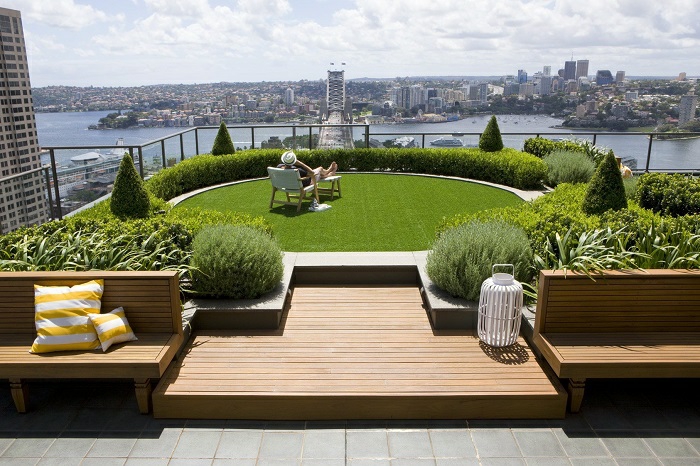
(606, 190)
(222, 142)
(490, 140)
(129, 197)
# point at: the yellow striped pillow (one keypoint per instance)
(61, 317)
(112, 328)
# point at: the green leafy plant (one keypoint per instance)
(222, 142)
(491, 140)
(606, 189)
(586, 252)
(669, 194)
(542, 147)
(235, 262)
(96, 250)
(568, 167)
(462, 257)
(129, 197)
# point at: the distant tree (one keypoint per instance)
(491, 140)
(129, 197)
(222, 142)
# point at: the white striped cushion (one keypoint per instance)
(61, 317)
(112, 328)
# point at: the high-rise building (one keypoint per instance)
(686, 109)
(620, 77)
(545, 85)
(289, 97)
(335, 91)
(522, 76)
(603, 77)
(569, 70)
(581, 69)
(22, 187)
(483, 92)
(526, 89)
(417, 96)
(547, 70)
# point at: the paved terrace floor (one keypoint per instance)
(640, 422)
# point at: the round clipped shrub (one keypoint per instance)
(462, 257)
(606, 190)
(568, 167)
(491, 140)
(233, 261)
(222, 142)
(129, 196)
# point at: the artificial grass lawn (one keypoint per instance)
(378, 212)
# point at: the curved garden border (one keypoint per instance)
(524, 195)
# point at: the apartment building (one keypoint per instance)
(22, 185)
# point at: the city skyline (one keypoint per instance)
(142, 42)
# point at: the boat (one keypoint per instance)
(447, 142)
(118, 151)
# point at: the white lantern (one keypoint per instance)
(499, 308)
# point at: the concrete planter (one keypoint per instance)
(230, 314)
(446, 312)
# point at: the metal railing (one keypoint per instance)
(183, 151)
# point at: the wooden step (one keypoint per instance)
(354, 352)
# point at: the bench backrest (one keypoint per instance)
(619, 301)
(151, 299)
(285, 179)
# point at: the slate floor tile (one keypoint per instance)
(411, 444)
(495, 443)
(452, 444)
(240, 444)
(367, 444)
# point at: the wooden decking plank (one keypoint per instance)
(372, 349)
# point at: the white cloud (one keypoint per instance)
(59, 13)
(213, 40)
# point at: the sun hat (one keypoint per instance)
(289, 158)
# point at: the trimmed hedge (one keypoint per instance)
(222, 142)
(508, 167)
(673, 195)
(129, 198)
(541, 147)
(606, 190)
(491, 140)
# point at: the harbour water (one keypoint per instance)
(70, 129)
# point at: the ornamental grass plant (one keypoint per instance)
(237, 262)
(462, 257)
(568, 167)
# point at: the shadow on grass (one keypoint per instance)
(290, 211)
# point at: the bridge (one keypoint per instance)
(337, 112)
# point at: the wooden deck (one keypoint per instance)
(355, 353)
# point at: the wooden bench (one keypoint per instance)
(152, 304)
(620, 324)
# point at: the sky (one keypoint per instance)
(142, 42)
